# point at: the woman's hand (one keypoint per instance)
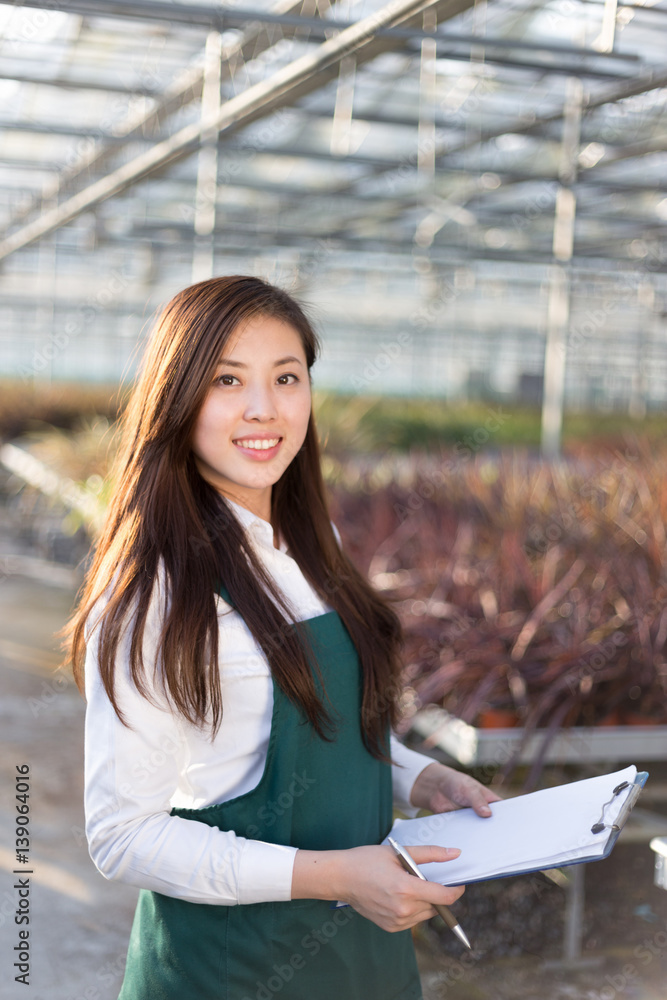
(441, 789)
(372, 880)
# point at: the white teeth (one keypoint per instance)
(261, 445)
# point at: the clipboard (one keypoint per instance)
(552, 828)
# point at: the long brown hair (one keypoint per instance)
(164, 515)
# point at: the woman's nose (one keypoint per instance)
(260, 404)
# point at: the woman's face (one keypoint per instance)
(255, 416)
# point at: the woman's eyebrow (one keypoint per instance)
(276, 364)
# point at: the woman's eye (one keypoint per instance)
(287, 375)
(226, 379)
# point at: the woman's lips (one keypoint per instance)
(259, 449)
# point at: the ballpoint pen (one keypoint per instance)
(444, 911)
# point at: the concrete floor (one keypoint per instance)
(79, 922)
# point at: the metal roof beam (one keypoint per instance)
(651, 80)
(451, 255)
(640, 8)
(20, 164)
(40, 128)
(67, 304)
(657, 144)
(283, 87)
(374, 118)
(557, 69)
(63, 84)
(221, 18)
(344, 241)
(380, 163)
(642, 84)
(186, 88)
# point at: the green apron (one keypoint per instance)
(315, 795)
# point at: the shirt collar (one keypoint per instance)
(256, 525)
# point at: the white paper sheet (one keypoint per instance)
(539, 830)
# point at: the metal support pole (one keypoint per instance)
(341, 125)
(558, 314)
(574, 914)
(427, 83)
(426, 155)
(45, 316)
(605, 40)
(207, 167)
(647, 315)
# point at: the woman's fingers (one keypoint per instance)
(415, 918)
(443, 895)
(479, 800)
(434, 892)
(373, 881)
(430, 852)
(417, 910)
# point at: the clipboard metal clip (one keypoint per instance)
(632, 797)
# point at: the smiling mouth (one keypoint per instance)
(258, 444)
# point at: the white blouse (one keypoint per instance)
(134, 777)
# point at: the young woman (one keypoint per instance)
(241, 681)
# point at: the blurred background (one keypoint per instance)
(470, 199)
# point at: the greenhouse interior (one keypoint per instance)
(469, 200)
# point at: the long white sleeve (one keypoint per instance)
(131, 778)
(408, 765)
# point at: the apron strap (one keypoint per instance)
(224, 593)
